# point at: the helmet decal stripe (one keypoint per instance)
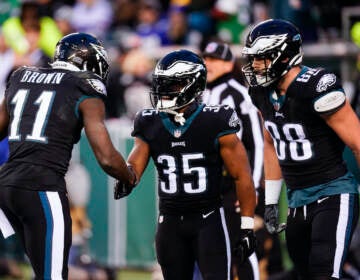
(179, 68)
(263, 44)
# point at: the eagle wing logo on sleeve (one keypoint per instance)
(98, 86)
(234, 120)
(326, 81)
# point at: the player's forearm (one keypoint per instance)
(116, 167)
(247, 197)
(271, 163)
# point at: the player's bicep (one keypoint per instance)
(234, 156)
(93, 114)
(346, 125)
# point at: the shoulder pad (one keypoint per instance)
(224, 114)
(97, 85)
(143, 122)
(18, 70)
(315, 82)
(91, 84)
(329, 102)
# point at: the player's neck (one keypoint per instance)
(189, 109)
(287, 79)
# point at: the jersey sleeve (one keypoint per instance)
(142, 124)
(13, 77)
(90, 85)
(224, 119)
(328, 93)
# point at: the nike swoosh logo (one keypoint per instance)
(207, 214)
(247, 241)
(322, 199)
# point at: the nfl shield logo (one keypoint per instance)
(177, 133)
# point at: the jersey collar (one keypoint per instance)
(178, 130)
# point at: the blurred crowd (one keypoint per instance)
(135, 32)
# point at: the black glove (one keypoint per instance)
(121, 189)
(246, 245)
(271, 217)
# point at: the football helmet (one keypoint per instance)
(276, 40)
(85, 52)
(179, 77)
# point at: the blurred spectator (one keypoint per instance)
(63, 16)
(15, 28)
(299, 12)
(177, 32)
(128, 84)
(136, 67)
(115, 106)
(34, 55)
(199, 16)
(232, 17)
(122, 29)
(260, 12)
(92, 16)
(125, 13)
(150, 25)
(11, 60)
(7, 58)
(46, 7)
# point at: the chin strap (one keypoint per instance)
(179, 117)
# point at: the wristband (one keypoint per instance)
(272, 191)
(247, 222)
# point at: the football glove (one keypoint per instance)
(246, 245)
(122, 189)
(271, 217)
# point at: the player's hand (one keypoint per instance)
(121, 189)
(246, 245)
(271, 218)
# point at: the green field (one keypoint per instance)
(134, 275)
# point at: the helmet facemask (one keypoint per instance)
(171, 93)
(100, 65)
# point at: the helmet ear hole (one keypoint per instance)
(85, 52)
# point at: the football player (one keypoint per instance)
(307, 122)
(189, 143)
(224, 88)
(43, 113)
